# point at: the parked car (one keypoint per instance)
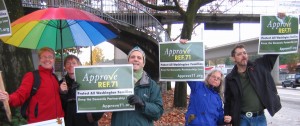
(289, 81)
(297, 80)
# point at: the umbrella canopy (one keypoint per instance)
(59, 28)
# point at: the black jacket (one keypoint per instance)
(259, 73)
(72, 118)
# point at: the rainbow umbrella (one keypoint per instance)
(59, 28)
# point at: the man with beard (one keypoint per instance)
(249, 89)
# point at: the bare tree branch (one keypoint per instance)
(176, 8)
(195, 26)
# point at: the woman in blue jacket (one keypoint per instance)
(205, 106)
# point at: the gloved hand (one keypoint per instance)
(135, 100)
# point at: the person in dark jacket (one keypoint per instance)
(45, 104)
(68, 96)
(205, 106)
(249, 89)
(147, 96)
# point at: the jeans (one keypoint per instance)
(253, 121)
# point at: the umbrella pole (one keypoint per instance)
(62, 63)
(61, 55)
(91, 50)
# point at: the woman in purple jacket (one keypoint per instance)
(205, 106)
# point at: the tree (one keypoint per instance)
(228, 61)
(15, 62)
(189, 14)
(97, 56)
(291, 60)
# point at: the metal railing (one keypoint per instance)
(218, 6)
(136, 16)
(139, 17)
(116, 11)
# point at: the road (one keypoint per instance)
(289, 115)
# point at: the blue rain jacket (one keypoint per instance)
(205, 106)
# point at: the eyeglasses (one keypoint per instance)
(47, 57)
(71, 63)
(217, 78)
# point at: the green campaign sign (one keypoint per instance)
(181, 62)
(104, 88)
(5, 28)
(279, 34)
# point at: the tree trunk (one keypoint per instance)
(186, 33)
(188, 23)
(169, 29)
(180, 94)
(15, 62)
(169, 86)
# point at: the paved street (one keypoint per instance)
(289, 115)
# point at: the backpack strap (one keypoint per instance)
(36, 83)
(35, 87)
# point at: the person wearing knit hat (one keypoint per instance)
(137, 65)
(140, 50)
(147, 96)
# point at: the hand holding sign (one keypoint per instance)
(135, 100)
(4, 98)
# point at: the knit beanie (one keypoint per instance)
(136, 48)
